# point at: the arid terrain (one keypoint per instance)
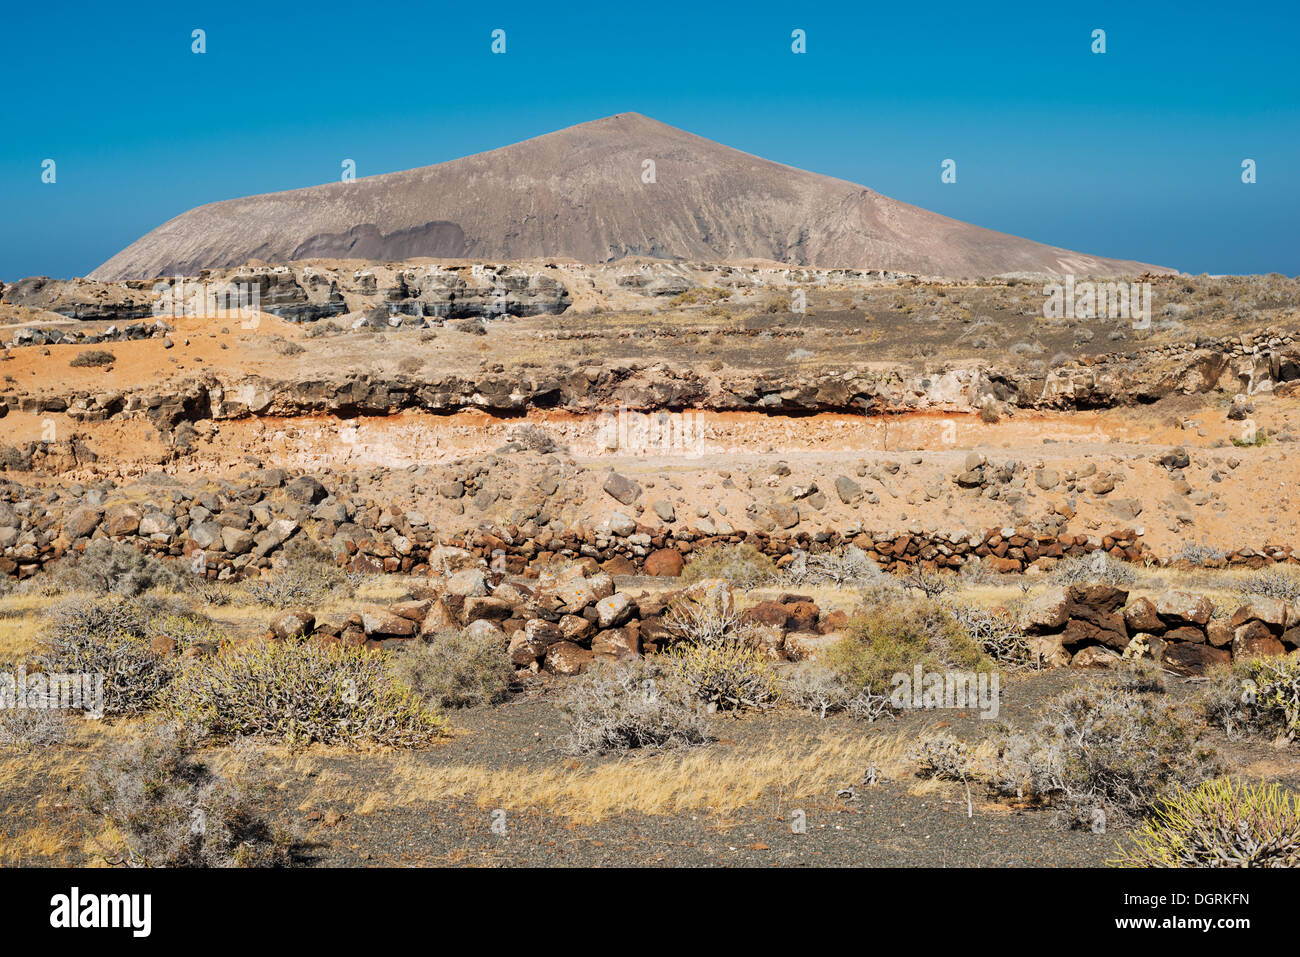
(527, 488)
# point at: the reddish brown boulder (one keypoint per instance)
(664, 562)
(543, 632)
(618, 565)
(1220, 632)
(1095, 656)
(414, 610)
(1194, 659)
(766, 613)
(802, 615)
(1177, 608)
(1255, 639)
(566, 658)
(293, 624)
(835, 621)
(383, 624)
(1268, 610)
(1140, 616)
(1185, 633)
(577, 629)
(616, 643)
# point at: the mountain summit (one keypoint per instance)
(582, 192)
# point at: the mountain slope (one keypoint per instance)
(578, 192)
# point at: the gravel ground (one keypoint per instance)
(894, 822)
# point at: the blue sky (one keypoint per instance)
(1135, 153)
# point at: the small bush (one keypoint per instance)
(1282, 584)
(32, 727)
(742, 565)
(1220, 824)
(15, 459)
(1201, 555)
(620, 707)
(814, 688)
(209, 591)
(92, 358)
(320, 328)
(301, 693)
(1139, 675)
(459, 669)
(1103, 750)
(841, 567)
(107, 637)
(979, 572)
(110, 567)
(1096, 566)
(170, 809)
(726, 676)
(536, 439)
(943, 756)
(893, 638)
(996, 633)
(704, 620)
(1254, 695)
(700, 294)
(930, 584)
(307, 576)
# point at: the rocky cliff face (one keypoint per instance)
(1106, 381)
(306, 292)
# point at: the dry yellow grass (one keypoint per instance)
(47, 832)
(717, 779)
(17, 638)
(38, 840)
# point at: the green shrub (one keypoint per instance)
(299, 693)
(892, 638)
(614, 708)
(700, 294)
(742, 565)
(725, 676)
(459, 669)
(1220, 824)
(170, 809)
